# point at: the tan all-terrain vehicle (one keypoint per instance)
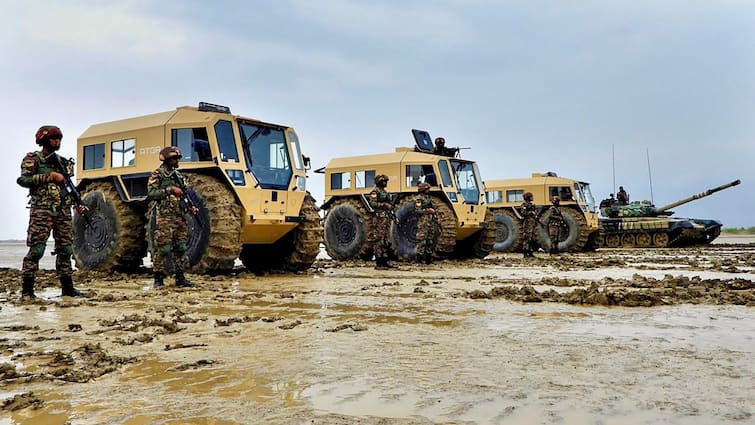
(577, 206)
(456, 190)
(247, 177)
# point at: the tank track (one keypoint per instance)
(225, 224)
(131, 244)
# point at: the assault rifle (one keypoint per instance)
(187, 204)
(70, 188)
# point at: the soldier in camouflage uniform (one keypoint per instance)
(167, 218)
(50, 210)
(555, 224)
(427, 224)
(528, 210)
(382, 216)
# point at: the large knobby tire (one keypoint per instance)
(296, 251)
(215, 233)
(114, 237)
(448, 225)
(509, 232)
(571, 236)
(479, 244)
(404, 234)
(346, 230)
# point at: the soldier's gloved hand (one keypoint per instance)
(193, 210)
(56, 177)
(177, 191)
(431, 210)
(396, 220)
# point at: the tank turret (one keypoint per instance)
(647, 209)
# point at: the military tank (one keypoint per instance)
(642, 224)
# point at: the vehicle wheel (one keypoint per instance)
(660, 239)
(444, 248)
(215, 232)
(509, 232)
(644, 239)
(404, 234)
(347, 226)
(572, 236)
(115, 238)
(627, 240)
(485, 239)
(613, 241)
(296, 251)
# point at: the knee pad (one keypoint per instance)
(36, 252)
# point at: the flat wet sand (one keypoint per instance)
(614, 337)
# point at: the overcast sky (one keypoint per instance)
(529, 85)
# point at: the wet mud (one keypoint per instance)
(611, 337)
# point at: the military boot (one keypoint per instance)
(428, 258)
(66, 282)
(27, 287)
(159, 280)
(381, 264)
(182, 281)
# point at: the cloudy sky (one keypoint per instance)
(529, 85)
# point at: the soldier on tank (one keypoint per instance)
(167, 218)
(555, 224)
(427, 224)
(528, 210)
(382, 216)
(622, 197)
(50, 210)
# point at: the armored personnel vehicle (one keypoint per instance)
(642, 224)
(247, 177)
(456, 190)
(577, 206)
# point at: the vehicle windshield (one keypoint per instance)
(467, 180)
(266, 155)
(584, 196)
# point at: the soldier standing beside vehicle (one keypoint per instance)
(427, 224)
(167, 218)
(382, 216)
(555, 224)
(50, 210)
(529, 225)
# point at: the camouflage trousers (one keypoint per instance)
(554, 232)
(529, 226)
(169, 235)
(427, 233)
(41, 222)
(380, 235)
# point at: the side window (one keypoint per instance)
(364, 178)
(416, 174)
(294, 140)
(493, 197)
(445, 174)
(226, 143)
(515, 196)
(340, 181)
(94, 156)
(193, 142)
(563, 192)
(122, 153)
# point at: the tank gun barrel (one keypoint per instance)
(698, 196)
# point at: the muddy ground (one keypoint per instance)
(613, 337)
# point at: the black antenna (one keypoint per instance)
(650, 177)
(613, 167)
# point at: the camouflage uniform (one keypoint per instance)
(529, 227)
(555, 225)
(167, 221)
(427, 226)
(382, 216)
(50, 210)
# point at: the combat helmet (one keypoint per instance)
(47, 132)
(423, 187)
(528, 196)
(381, 178)
(170, 152)
(556, 200)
